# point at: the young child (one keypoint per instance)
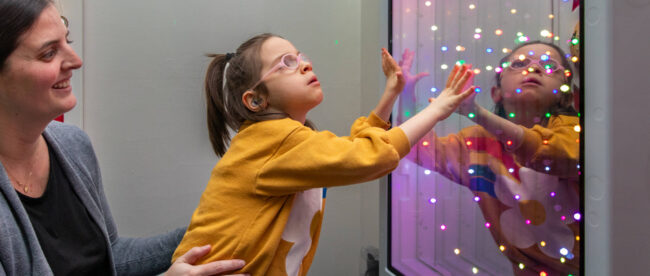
(521, 161)
(263, 203)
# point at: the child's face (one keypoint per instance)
(532, 86)
(294, 92)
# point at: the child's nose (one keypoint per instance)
(305, 66)
(535, 68)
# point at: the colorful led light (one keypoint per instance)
(427, 172)
(542, 273)
(511, 170)
(577, 128)
(472, 6)
(460, 62)
(548, 115)
(471, 115)
(443, 227)
(444, 48)
(434, 28)
(468, 143)
(554, 91)
(498, 32)
(456, 251)
(521, 266)
(477, 89)
(564, 251)
(470, 171)
(505, 50)
(545, 33)
(489, 68)
(477, 199)
(511, 115)
(477, 36)
(477, 71)
(577, 238)
(545, 142)
(527, 221)
(502, 248)
(509, 143)
(432, 200)
(487, 225)
(518, 90)
(478, 30)
(425, 143)
(434, 90)
(577, 216)
(542, 243)
(575, 41)
(444, 66)
(551, 16)
(563, 260)
(460, 48)
(574, 59)
(474, 270)
(547, 168)
(552, 194)
(407, 114)
(517, 197)
(565, 88)
(427, 3)
(498, 69)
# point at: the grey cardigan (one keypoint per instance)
(20, 252)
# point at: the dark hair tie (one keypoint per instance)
(229, 56)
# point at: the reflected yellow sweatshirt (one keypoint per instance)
(264, 200)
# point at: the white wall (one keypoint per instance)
(141, 101)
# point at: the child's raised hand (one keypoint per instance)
(468, 105)
(454, 93)
(405, 64)
(394, 77)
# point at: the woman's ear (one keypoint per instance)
(253, 101)
(496, 94)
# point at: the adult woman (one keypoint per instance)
(54, 218)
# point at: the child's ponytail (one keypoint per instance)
(217, 116)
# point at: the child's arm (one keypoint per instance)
(507, 132)
(442, 106)
(394, 85)
(406, 103)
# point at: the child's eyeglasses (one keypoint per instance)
(288, 61)
(548, 64)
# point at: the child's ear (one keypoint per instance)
(253, 101)
(496, 94)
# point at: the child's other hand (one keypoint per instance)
(468, 105)
(405, 64)
(394, 77)
(455, 91)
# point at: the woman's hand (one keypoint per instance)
(184, 265)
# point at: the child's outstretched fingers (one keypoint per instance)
(388, 64)
(452, 75)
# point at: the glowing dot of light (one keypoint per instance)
(487, 225)
(474, 270)
(432, 200)
(552, 194)
(477, 71)
(513, 11)
(502, 248)
(575, 41)
(470, 171)
(564, 251)
(547, 168)
(489, 68)
(427, 3)
(531, 69)
(523, 38)
(444, 48)
(471, 115)
(509, 143)
(460, 48)
(504, 65)
(545, 142)
(519, 34)
(427, 172)
(468, 143)
(518, 90)
(425, 143)
(577, 238)
(498, 32)
(477, 36)
(577, 128)
(517, 197)
(563, 260)
(577, 216)
(511, 170)
(498, 69)
(434, 90)
(567, 72)
(460, 62)
(542, 273)
(444, 67)
(554, 92)
(489, 50)
(542, 243)
(505, 50)
(544, 57)
(407, 114)
(563, 218)
(443, 227)
(434, 28)
(564, 88)
(336, 42)
(545, 33)
(574, 59)
(556, 38)
(548, 115)
(531, 53)
(527, 221)
(551, 16)
(511, 115)
(477, 199)
(521, 266)
(472, 6)
(456, 251)
(521, 57)
(548, 53)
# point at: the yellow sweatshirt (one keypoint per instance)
(264, 200)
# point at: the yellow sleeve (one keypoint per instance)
(307, 159)
(554, 149)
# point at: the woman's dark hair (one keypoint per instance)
(16, 17)
(564, 106)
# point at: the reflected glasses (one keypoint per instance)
(545, 62)
(288, 61)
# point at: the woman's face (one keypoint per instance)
(35, 81)
(532, 86)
